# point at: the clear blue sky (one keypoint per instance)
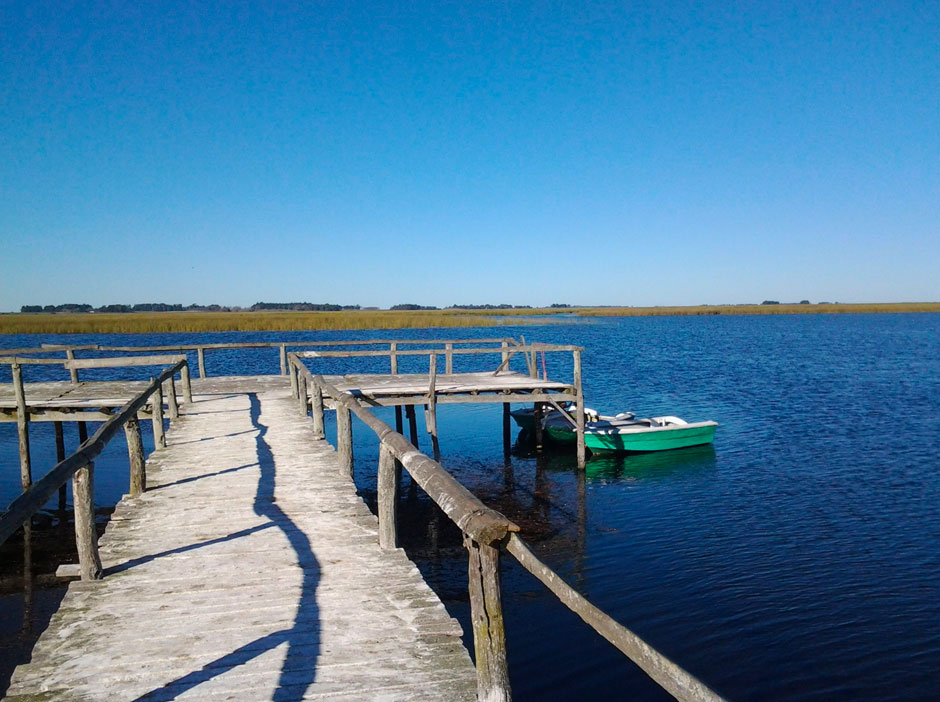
(440, 153)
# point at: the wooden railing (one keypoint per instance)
(487, 534)
(201, 349)
(80, 465)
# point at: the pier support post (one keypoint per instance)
(539, 429)
(317, 410)
(302, 394)
(171, 400)
(412, 424)
(73, 372)
(22, 427)
(201, 358)
(59, 457)
(505, 355)
(344, 446)
(159, 438)
(507, 430)
(579, 414)
(187, 384)
(388, 485)
(293, 380)
(135, 454)
(393, 357)
(83, 497)
(283, 358)
(486, 616)
(448, 358)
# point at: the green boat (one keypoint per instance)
(623, 432)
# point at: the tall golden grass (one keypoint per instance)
(379, 319)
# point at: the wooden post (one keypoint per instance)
(317, 411)
(201, 358)
(507, 429)
(448, 358)
(302, 394)
(159, 438)
(83, 497)
(135, 454)
(283, 355)
(486, 616)
(387, 498)
(293, 380)
(430, 414)
(539, 429)
(171, 398)
(393, 357)
(412, 424)
(59, 457)
(73, 372)
(22, 426)
(187, 384)
(399, 425)
(579, 414)
(344, 447)
(505, 355)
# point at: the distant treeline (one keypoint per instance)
(72, 308)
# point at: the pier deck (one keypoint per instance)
(248, 570)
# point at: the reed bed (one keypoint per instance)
(147, 322)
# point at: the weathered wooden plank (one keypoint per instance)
(123, 361)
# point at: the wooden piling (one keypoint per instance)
(486, 616)
(412, 424)
(302, 395)
(317, 411)
(83, 498)
(283, 357)
(539, 429)
(393, 357)
(448, 358)
(22, 427)
(73, 372)
(388, 485)
(430, 415)
(187, 384)
(171, 400)
(579, 412)
(59, 457)
(159, 438)
(507, 429)
(344, 447)
(293, 380)
(135, 454)
(201, 358)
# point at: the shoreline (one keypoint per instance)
(196, 322)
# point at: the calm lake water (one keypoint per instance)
(797, 558)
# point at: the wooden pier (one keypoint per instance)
(242, 565)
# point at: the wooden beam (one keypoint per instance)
(123, 361)
(22, 427)
(159, 437)
(486, 617)
(387, 490)
(344, 446)
(135, 454)
(672, 678)
(73, 372)
(83, 498)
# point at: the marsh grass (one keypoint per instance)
(145, 322)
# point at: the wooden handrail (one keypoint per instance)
(425, 352)
(32, 500)
(462, 507)
(488, 532)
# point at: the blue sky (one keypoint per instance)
(370, 153)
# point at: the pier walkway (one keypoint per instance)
(248, 570)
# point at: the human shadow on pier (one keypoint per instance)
(298, 669)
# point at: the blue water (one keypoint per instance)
(797, 558)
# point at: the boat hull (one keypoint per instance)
(650, 439)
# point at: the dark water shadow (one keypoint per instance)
(303, 640)
(656, 465)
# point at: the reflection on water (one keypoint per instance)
(657, 465)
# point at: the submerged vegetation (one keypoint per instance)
(132, 322)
